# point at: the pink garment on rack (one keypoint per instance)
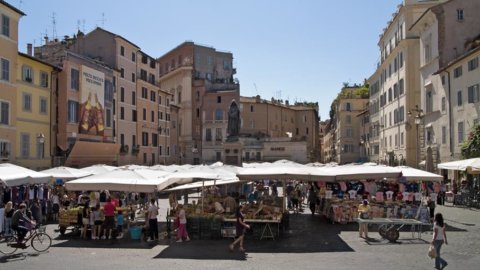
(401, 188)
(379, 196)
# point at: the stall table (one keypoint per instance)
(389, 228)
(266, 230)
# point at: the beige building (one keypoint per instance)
(322, 125)
(84, 113)
(449, 98)
(293, 128)
(201, 82)
(35, 81)
(329, 152)
(394, 88)
(365, 129)
(10, 17)
(348, 129)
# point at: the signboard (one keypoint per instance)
(92, 88)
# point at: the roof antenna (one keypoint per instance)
(54, 23)
(256, 90)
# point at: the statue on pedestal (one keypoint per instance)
(233, 128)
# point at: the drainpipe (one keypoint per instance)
(450, 116)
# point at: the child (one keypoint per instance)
(120, 224)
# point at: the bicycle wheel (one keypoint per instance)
(41, 242)
(8, 245)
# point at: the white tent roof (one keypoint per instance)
(136, 180)
(461, 165)
(361, 172)
(197, 173)
(410, 174)
(205, 183)
(66, 173)
(99, 168)
(13, 175)
(283, 169)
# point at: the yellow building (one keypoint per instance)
(10, 17)
(33, 112)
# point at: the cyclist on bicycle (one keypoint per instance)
(21, 223)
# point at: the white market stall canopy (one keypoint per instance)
(208, 183)
(412, 174)
(98, 169)
(197, 173)
(136, 180)
(66, 173)
(13, 175)
(362, 172)
(461, 165)
(283, 169)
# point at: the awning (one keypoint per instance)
(90, 153)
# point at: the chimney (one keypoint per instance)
(29, 49)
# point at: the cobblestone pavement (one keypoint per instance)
(309, 243)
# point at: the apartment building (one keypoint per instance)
(322, 125)
(329, 152)
(291, 130)
(35, 81)
(348, 132)
(394, 88)
(364, 130)
(449, 97)
(196, 76)
(10, 17)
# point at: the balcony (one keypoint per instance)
(135, 149)
(124, 149)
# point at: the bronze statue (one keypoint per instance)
(233, 128)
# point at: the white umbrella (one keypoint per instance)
(136, 180)
(284, 170)
(13, 175)
(205, 184)
(66, 173)
(461, 165)
(197, 173)
(99, 168)
(415, 174)
(361, 172)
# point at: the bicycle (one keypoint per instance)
(39, 240)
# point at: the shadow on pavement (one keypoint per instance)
(306, 234)
(13, 257)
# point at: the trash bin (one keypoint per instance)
(135, 233)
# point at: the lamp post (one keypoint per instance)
(418, 115)
(41, 141)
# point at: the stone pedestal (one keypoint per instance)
(233, 151)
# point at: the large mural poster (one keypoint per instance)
(92, 87)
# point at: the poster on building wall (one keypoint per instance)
(91, 101)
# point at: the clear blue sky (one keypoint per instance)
(297, 50)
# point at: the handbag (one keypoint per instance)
(432, 252)
(364, 215)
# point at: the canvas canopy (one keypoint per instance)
(99, 168)
(135, 180)
(66, 173)
(411, 174)
(361, 172)
(472, 164)
(12, 175)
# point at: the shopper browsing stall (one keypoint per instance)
(363, 211)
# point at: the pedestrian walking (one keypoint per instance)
(8, 217)
(182, 224)
(439, 238)
(109, 223)
(152, 220)
(241, 227)
(431, 208)
(312, 199)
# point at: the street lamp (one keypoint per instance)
(41, 141)
(418, 115)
